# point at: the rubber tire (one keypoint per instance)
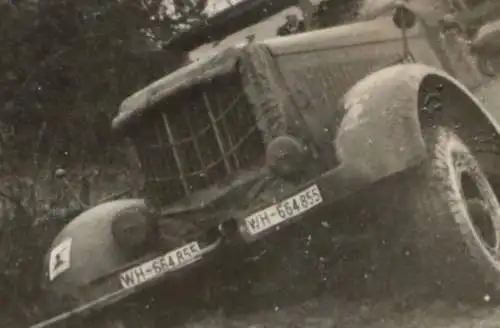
(451, 253)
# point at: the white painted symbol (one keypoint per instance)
(59, 261)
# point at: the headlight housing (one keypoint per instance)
(132, 228)
(286, 156)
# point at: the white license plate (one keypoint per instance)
(172, 260)
(287, 209)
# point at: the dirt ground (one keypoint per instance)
(385, 301)
(331, 311)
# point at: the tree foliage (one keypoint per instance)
(69, 63)
(65, 66)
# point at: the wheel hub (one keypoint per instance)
(482, 221)
(481, 211)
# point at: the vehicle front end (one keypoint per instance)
(230, 159)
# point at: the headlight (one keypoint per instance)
(285, 156)
(403, 17)
(131, 228)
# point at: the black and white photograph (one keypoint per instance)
(249, 163)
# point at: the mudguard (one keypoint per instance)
(85, 250)
(381, 134)
(486, 39)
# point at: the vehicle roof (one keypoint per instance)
(206, 69)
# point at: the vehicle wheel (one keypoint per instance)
(455, 218)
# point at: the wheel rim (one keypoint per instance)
(479, 213)
(481, 205)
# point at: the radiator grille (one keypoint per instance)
(197, 139)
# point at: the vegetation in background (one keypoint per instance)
(65, 65)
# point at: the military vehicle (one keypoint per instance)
(265, 143)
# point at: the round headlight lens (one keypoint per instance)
(131, 228)
(404, 17)
(285, 156)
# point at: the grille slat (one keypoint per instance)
(216, 131)
(223, 119)
(175, 152)
(200, 138)
(195, 142)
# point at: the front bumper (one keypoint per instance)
(318, 193)
(315, 195)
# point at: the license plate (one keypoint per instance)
(287, 209)
(170, 261)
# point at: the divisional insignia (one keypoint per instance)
(60, 259)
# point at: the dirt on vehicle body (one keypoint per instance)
(244, 151)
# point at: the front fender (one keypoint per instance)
(86, 248)
(381, 133)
